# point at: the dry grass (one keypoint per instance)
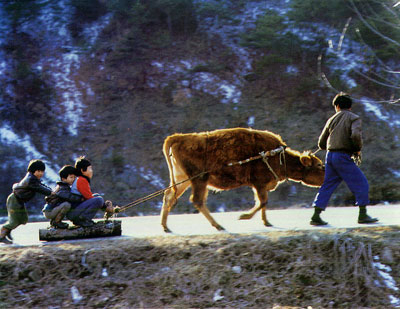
(289, 269)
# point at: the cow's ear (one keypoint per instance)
(306, 160)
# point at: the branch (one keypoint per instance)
(371, 27)
(343, 33)
(386, 68)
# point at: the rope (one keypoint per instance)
(282, 160)
(262, 154)
(157, 193)
(316, 151)
(265, 159)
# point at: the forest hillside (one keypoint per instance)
(112, 79)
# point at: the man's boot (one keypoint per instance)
(363, 218)
(57, 221)
(316, 219)
(3, 233)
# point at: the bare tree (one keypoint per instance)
(376, 28)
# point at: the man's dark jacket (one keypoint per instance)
(342, 132)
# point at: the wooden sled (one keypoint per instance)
(100, 229)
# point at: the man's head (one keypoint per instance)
(37, 168)
(67, 174)
(342, 100)
(83, 167)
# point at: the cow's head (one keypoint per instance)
(313, 170)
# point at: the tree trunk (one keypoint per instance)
(100, 229)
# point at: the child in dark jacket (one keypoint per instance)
(22, 192)
(60, 200)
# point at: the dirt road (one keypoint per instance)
(196, 224)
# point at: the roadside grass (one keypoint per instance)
(295, 269)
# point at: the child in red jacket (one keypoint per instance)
(83, 213)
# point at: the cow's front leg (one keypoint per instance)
(248, 215)
(199, 197)
(261, 199)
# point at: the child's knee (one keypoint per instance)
(99, 201)
(65, 206)
(47, 215)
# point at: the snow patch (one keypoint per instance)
(61, 59)
(221, 208)
(250, 121)
(380, 113)
(7, 136)
(212, 84)
(395, 173)
(388, 280)
(154, 179)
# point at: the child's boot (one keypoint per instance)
(3, 233)
(57, 222)
(363, 218)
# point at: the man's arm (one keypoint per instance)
(356, 134)
(323, 138)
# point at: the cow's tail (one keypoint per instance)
(168, 154)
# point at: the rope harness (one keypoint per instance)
(264, 155)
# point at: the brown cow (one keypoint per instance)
(206, 156)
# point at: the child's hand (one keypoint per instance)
(110, 210)
(109, 207)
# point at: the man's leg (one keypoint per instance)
(358, 185)
(331, 182)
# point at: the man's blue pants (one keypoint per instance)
(340, 166)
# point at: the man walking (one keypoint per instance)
(342, 138)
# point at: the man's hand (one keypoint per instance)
(357, 158)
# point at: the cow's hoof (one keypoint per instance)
(245, 217)
(219, 228)
(167, 230)
(267, 224)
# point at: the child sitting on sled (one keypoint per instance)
(22, 192)
(82, 214)
(60, 200)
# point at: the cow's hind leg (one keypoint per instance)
(169, 201)
(199, 197)
(261, 198)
